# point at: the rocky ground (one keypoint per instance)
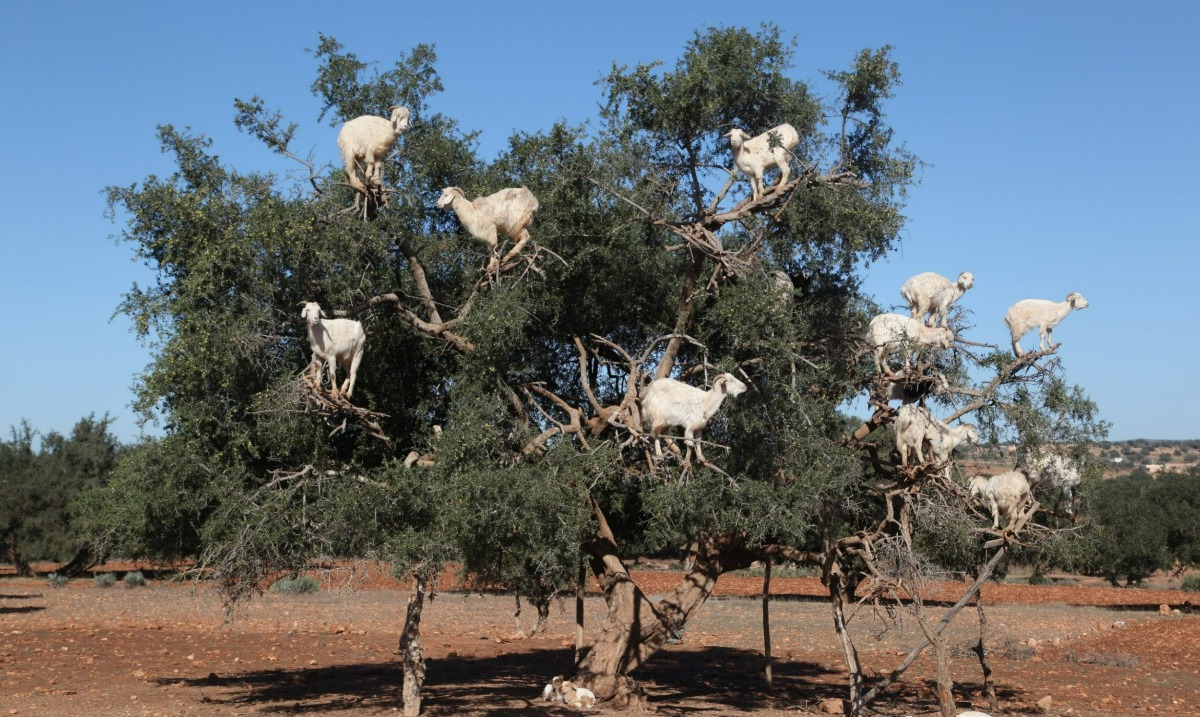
(170, 649)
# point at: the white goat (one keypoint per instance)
(1046, 467)
(889, 333)
(1043, 314)
(509, 210)
(578, 697)
(930, 295)
(667, 402)
(333, 341)
(553, 691)
(915, 427)
(1005, 494)
(755, 155)
(368, 139)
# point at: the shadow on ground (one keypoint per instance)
(706, 678)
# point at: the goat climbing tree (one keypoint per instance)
(515, 391)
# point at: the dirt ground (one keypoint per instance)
(170, 649)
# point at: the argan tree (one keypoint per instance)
(40, 479)
(496, 421)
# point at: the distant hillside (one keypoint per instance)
(1121, 457)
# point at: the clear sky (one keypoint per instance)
(1063, 142)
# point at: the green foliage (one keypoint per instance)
(57, 580)
(1191, 583)
(254, 482)
(295, 585)
(40, 484)
(134, 579)
(104, 580)
(1144, 524)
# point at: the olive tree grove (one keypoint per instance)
(497, 422)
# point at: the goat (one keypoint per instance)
(1043, 314)
(579, 697)
(1045, 467)
(1006, 495)
(754, 155)
(889, 333)
(553, 691)
(333, 341)
(915, 426)
(509, 210)
(368, 139)
(667, 402)
(930, 295)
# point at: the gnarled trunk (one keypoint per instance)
(637, 627)
(11, 547)
(411, 657)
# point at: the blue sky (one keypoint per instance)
(1062, 142)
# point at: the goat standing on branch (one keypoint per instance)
(509, 210)
(1005, 494)
(930, 295)
(892, 333)
(667, 402)
(1042, 314)
(368, 139)
(755, 155)
(333, 341)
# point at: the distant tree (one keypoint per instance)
(39, 489)
(1178, 495)
(18, 483)
(1132, 529)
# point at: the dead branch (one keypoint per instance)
(331, 407)
(439, 330)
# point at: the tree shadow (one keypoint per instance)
(18, 609)
(5, 610)
(676, 679)
(1185, 607)
(921, 697)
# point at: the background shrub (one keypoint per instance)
(105, 580)
(135, 579)
(295, 585)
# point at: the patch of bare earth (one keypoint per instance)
(170, 649)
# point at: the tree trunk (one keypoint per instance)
(766, 612)
(543, 615)
(12, 548)
(411, 657)
(886, 681)
(683, 315)
(837, 594)
(580, 587)
(637, 628)
(980, 649)
(945, 683)
(517, 613)
(78, 564)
